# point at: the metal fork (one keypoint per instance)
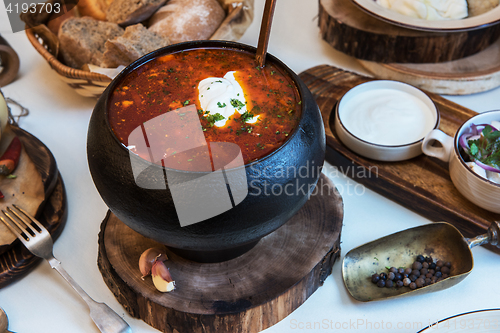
(39, 242)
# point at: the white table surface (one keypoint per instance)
(43, 302)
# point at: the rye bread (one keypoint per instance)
(133, 44)
(185, 20)
(82, 40)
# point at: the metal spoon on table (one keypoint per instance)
(440, 240)
(4, 322)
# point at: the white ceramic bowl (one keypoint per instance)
(469, 23)
(405, 147)
(478, 190)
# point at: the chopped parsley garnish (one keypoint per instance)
(221, 105)
(246, 116)
(186, 102)
(212, 119)
(237, 103)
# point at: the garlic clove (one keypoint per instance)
(161, 277)
(148, 258)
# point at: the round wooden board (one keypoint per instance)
(16, 260)
(352, 31)
(247, 294)
(477, 73)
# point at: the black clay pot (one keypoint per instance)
(278, 184)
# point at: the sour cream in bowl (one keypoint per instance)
(385, 120)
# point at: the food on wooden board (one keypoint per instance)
(149, 257)
(152, 262)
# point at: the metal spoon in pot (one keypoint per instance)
(439, 240)
(4, 322)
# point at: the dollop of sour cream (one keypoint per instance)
(222, 95)
(428, 9)
(387, 116)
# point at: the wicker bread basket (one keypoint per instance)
(239, 15)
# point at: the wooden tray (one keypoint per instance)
(421, 184)
(247, 294)
(17, 261)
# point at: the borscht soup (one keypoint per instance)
(182, 102)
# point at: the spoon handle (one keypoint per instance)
(265, 31)
(491, 237)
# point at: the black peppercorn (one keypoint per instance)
(375, 278)
(389, 283)
(420, 258)
(383, 276)
(417, 265)
(381, 283)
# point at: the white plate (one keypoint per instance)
(470, 23)
(476, 321)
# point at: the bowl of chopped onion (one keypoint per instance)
(474, 158)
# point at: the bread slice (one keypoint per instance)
(82, 40)
(127, 12)
(133, 44)
(94, 8)
(185, 20)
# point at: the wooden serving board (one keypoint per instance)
(476, 73)
(247, 294)
(350, 30)
(16, 261)
(421, 184)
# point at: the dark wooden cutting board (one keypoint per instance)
(421, 184)
(247, 294)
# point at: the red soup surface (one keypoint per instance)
(165, 89)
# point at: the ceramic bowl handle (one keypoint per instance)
(446, 141)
